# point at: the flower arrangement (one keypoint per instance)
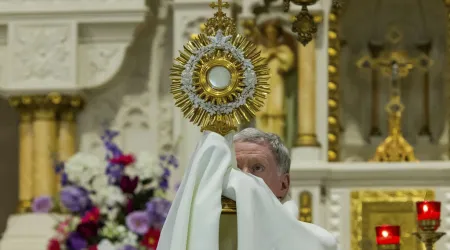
(114, 205)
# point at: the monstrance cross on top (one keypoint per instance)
(220, 5)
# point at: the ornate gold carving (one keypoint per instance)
(305, 213)
(317, 17)
(333, 83)
(47, 106)
(228, 206)
(389, 247)
(195, 103)
(374, 207)
(304, 24)
(25, 116)
(24, 206)
(394, 148)
(220, 21)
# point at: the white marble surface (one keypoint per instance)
(29, 232)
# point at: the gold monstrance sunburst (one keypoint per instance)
(219, 80)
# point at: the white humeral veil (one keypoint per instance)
(263, 222)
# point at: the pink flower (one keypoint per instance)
(124, 160)
(63, 227)
(92, 215)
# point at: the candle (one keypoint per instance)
(388, 235)
(428, 210)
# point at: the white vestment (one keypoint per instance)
(263, 222)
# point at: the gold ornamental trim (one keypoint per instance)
(334, 54)
(47, 106)
(228, 206)
(305, 208)
(219, 80)
(388, 207)
(304, 24)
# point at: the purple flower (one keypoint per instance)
(42, 204)
(59, 167)
(164, 184)
(138, 222)
(127, 247)
(166, 173)
(112, 149)
(76, 242)
(114, 171)
(64, 179)
(173, 161)
(75, 199)
(157, 210)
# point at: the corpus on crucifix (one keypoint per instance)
(417, 102)
(395, 148)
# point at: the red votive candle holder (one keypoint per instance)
(428, 210)
(388, 235)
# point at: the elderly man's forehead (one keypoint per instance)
(262, 142)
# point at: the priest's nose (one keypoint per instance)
(244, 169)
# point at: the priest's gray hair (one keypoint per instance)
(274, 142)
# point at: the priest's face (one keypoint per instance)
(258, 160)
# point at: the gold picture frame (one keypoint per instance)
(369, 208)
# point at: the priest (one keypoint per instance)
(251, 168)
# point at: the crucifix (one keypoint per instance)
(395, 148)
(220, 5)
(380, 60)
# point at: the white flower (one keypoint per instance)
(99, 182)
(147, 166)
(81, 167)
(106, 245)
(130, 239)
(112, 213)
(108, 196)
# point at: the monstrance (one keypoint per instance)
(220, 80)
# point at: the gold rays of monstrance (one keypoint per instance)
(219, 80)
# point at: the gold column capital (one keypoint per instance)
(47, 106)
(53, 101)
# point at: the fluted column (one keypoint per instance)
(45, 139)
(25, 160)
(67, 133)
(307, 96)
(67, 129)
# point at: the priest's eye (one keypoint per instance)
(258, 168)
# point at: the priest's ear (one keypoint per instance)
(285, 184)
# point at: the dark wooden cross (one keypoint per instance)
(219, 5)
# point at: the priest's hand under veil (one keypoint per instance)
(263, 222)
